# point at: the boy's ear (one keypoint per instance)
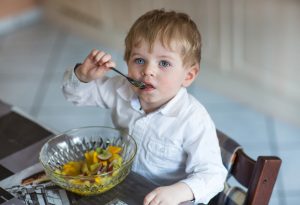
(191, 75)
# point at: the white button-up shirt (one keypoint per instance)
(177, 142)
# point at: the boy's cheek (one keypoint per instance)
(129, 71)
(133, 73)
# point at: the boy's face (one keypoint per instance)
(161, 70)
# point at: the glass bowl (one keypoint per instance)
(72, 146)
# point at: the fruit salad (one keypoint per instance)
(96, 163)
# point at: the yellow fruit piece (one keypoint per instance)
(57, 171)
(114, 149)
(114, 156)
(95, 157)
(89, 155)
(76, 181)
(115, 173)
(98, 180)
(104, 163)
(71, 168)
(85, 169)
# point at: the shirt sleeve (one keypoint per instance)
(204, 163)
(95, 93)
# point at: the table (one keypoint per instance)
(21, 139)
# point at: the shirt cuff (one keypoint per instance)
(202, 193)
(72, 80)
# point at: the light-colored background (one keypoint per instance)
(248, 82)
(251, 47)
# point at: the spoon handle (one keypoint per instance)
(136, 83)
(118, 72)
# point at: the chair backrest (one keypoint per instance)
(256, 177)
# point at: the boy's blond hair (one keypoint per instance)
(171, 27)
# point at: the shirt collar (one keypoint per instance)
(171, 109)
(128, 95)
(125, 92)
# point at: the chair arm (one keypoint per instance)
(263, 180)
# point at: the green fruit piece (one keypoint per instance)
(99, 150)
(105, 155)
(94, 167)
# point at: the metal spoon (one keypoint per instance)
(136, 83)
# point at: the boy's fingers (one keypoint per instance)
(110, 64)
(149, 197)
(100, 57)
(101, 60)
(93, 53)
(99, 72)
(105, 58)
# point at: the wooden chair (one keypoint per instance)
(256, 177)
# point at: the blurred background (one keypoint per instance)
(249, 78)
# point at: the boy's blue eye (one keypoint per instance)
(139, 61)
(164, 63)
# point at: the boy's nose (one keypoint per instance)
(148, 70)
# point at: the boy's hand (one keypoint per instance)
(96, 64)
(169, 195)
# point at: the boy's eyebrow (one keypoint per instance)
(134, 54)
(168, 57)
(165, 56)
(160, 56)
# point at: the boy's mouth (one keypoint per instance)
(148, 86)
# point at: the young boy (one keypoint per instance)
(177, 144)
